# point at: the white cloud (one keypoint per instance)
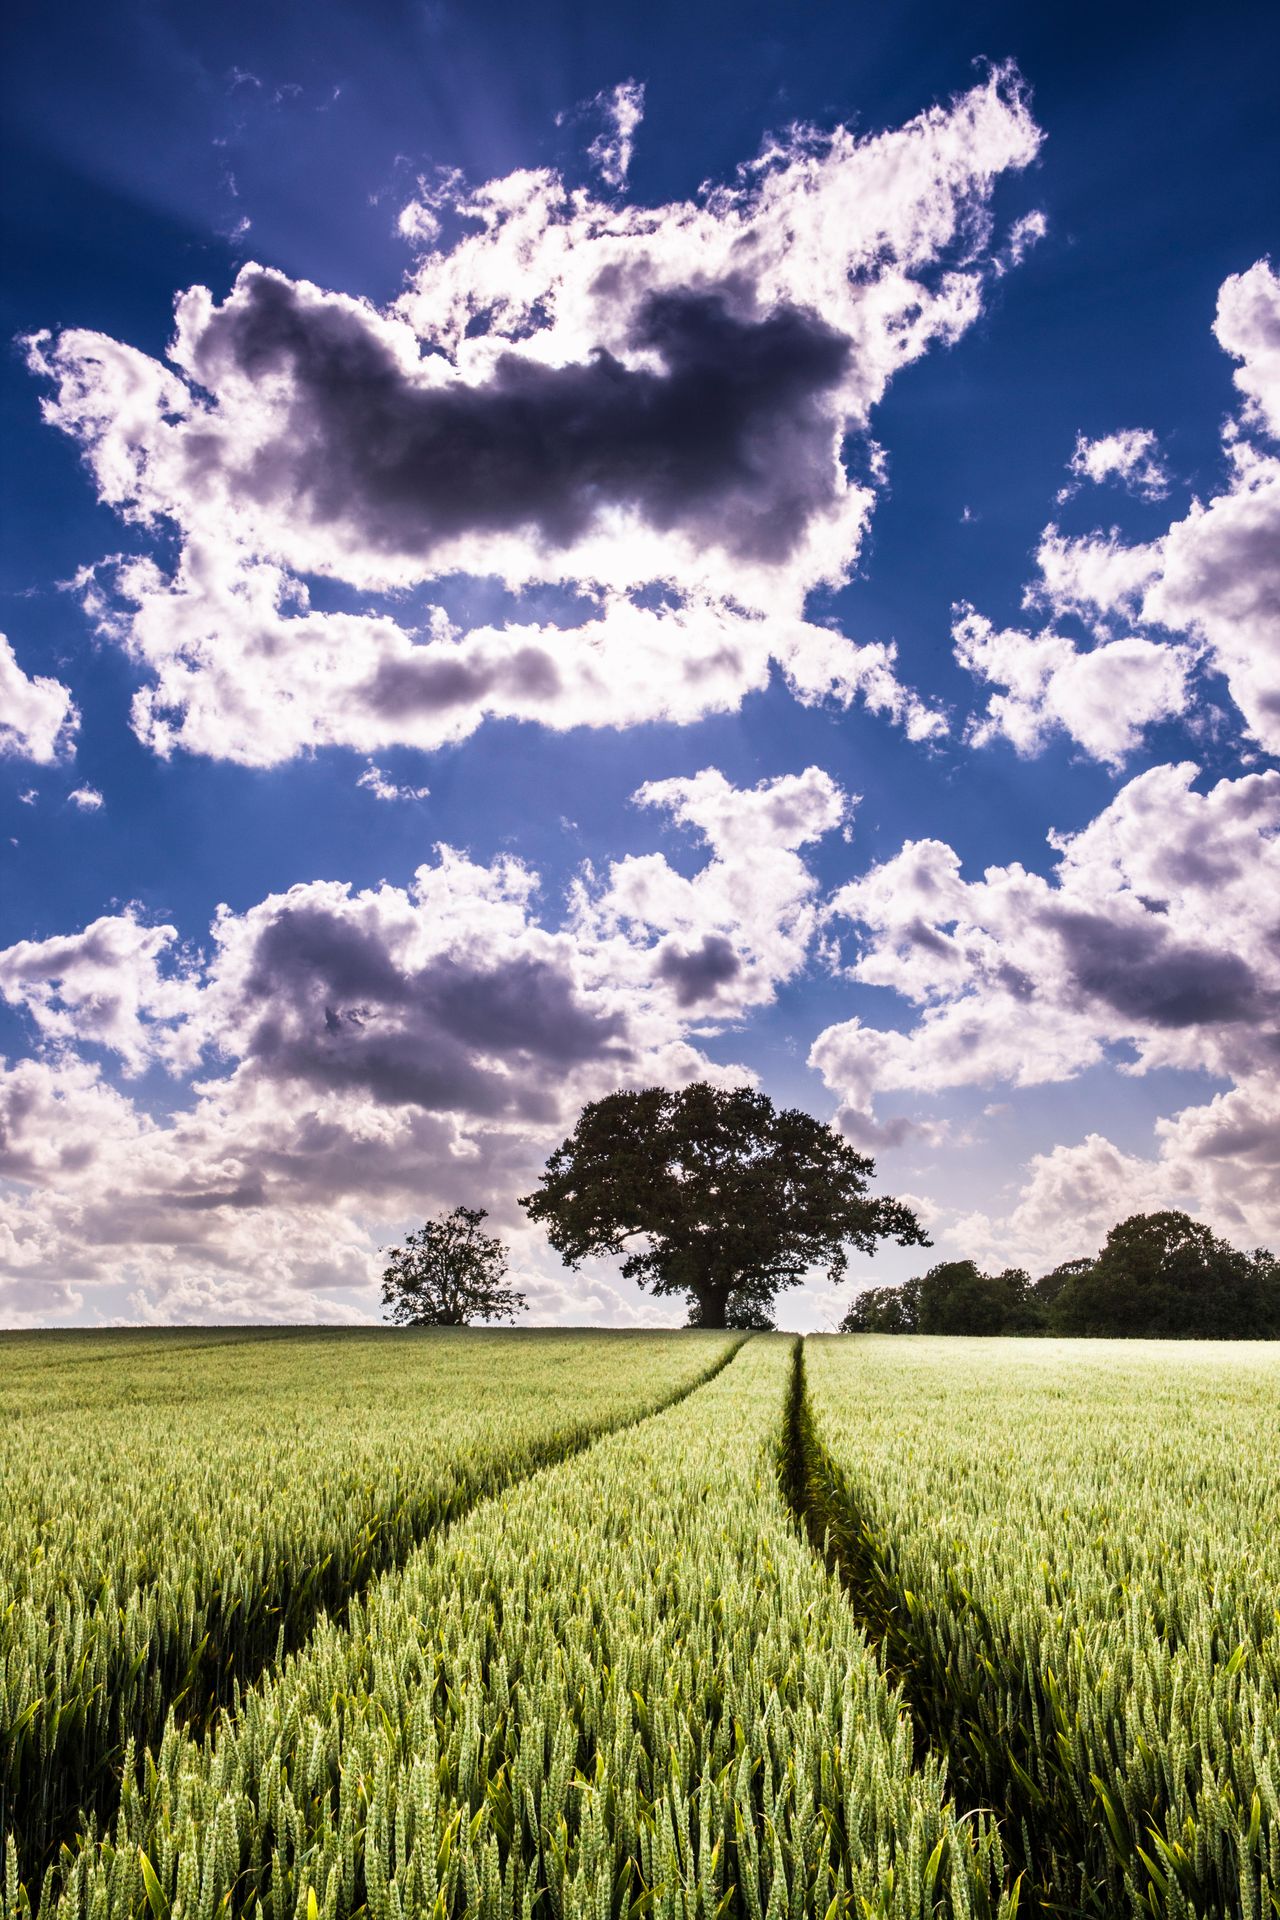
(1025, 233)
(86, 799)
(1097, 571)
(1215, 575)
(1022, 980)
(739, 822)
(38, 718)
(611, 150)
(727, 937)
(383, 787)
(1248, 328)
(1131, 457)
(365, 1056)
(1101, 697)
(118, 984)
(642, 407)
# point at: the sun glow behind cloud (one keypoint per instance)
(644, 407)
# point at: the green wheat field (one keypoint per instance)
(595, 1626)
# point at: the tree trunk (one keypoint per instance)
(713, 1303)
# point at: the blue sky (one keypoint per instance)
(880, 511)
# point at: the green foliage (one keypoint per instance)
(1159, 1275)
(1071, 1553)
(1164, 1274)
(956, 1298)
(728, 1198)
(1050, 1285)
(449, 1273)
(893, 1309)
(180, 1508)
(953, 1297)
(625, 1688)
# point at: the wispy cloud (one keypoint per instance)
(383, 787)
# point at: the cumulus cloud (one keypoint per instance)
(364, 681)
(86, 800)
(642, 407)
(336, 1001)
(38, 717)
(1214, 576)
(1119, 957)
(346, 1058)
(119, 985)
(1102, 697)
(785, 813)
(1247, 327)
(717, 422)
(730, 934)
(1131, 457)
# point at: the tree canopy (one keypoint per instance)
(953, 1297)
(449, 1273)
(1165, 1274)
(715, 1194)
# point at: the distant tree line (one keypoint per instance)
(1160, 1275)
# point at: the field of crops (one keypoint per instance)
(333, 1625)
(179, 1509)
(1071, 1551)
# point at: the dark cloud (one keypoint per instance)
(1015, 980)
(249, 1192)
(338, 1013)
(862, 1131)
(920, 934)
(422, 684)
(731, 439)
(1146, 976)
(699, 974)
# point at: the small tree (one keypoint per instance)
(449, 1273)
(726, 1199)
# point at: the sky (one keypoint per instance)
(549, 549)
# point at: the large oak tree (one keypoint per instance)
(715, 1194)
